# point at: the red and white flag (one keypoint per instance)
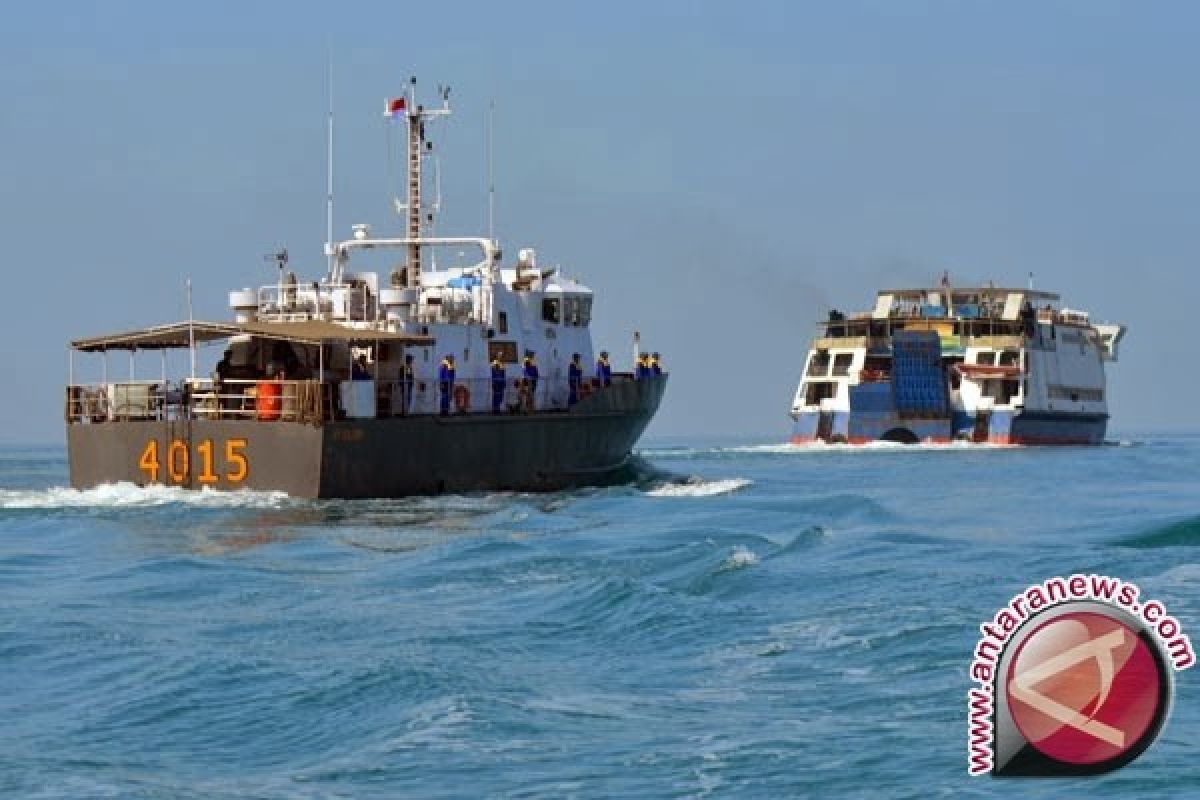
(395, 107)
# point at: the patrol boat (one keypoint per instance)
(341, 386)
(1004, 366)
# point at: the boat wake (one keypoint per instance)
(699, 487)
(818, 448)
(128, 495)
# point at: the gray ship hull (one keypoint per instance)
(392, 457)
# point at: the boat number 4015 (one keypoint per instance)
(176, 464)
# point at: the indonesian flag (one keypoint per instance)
(395, 107)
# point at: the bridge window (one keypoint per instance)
(985, 357)
(818, 364)
(842, 362)
(816, 391)
(505, 351)
(551, 310)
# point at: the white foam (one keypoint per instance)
(700, 488)
(741, 557)
(128, 495)
(786, 448)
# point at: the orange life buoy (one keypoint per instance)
(268, 400)
(462, 398)
(585, 389)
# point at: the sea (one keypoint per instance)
(747, 619)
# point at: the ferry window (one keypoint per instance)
(986, 357)
(551, 310)
(1009, 358)
(1001, 391)
(816, 391)
(842, 362)
(502, 322)
(819, 363)
(505, 351)
(585, 311)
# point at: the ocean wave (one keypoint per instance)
(699, 487)
(128, 495)
(1184, 533)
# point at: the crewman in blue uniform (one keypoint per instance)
(446, 382)
(407, 379)
(604, 369)
(498, 381)
(655, 366)
(643, 366)
(531, 377)
(574, 379)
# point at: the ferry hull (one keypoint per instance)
(392, 457)
(1003, 427)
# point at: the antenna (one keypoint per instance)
(1031, 280)
(280, 259)
(328, 179)
(491, 122)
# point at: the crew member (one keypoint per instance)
(653, 364)
(407, 378)
(498, 385)
(446, 382)
(524, 396)
(604, 369)
(531, 377)
(574, 378)
(643, 367)
(359, 370)
(220, 376)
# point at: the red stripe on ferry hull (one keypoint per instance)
(928, 440)
(859, 440)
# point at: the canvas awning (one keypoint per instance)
(181, 334)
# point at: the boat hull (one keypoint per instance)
(1003, 427)
(392, 457)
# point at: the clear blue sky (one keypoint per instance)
(721, 174)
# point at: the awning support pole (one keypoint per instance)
(191, 330)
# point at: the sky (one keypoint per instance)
(721, 174)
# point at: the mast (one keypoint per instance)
(416, 137)
(491, 173)
(416, 115)
(329, 254)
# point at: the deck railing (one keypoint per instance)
(313, 402)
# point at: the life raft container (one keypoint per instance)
(268, 400)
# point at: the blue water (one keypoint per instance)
(786, 623)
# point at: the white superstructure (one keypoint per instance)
(476, 311)
(986, 364)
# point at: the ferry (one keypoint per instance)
(983, 364)
(421, 379)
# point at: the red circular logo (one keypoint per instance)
(1084, 688)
